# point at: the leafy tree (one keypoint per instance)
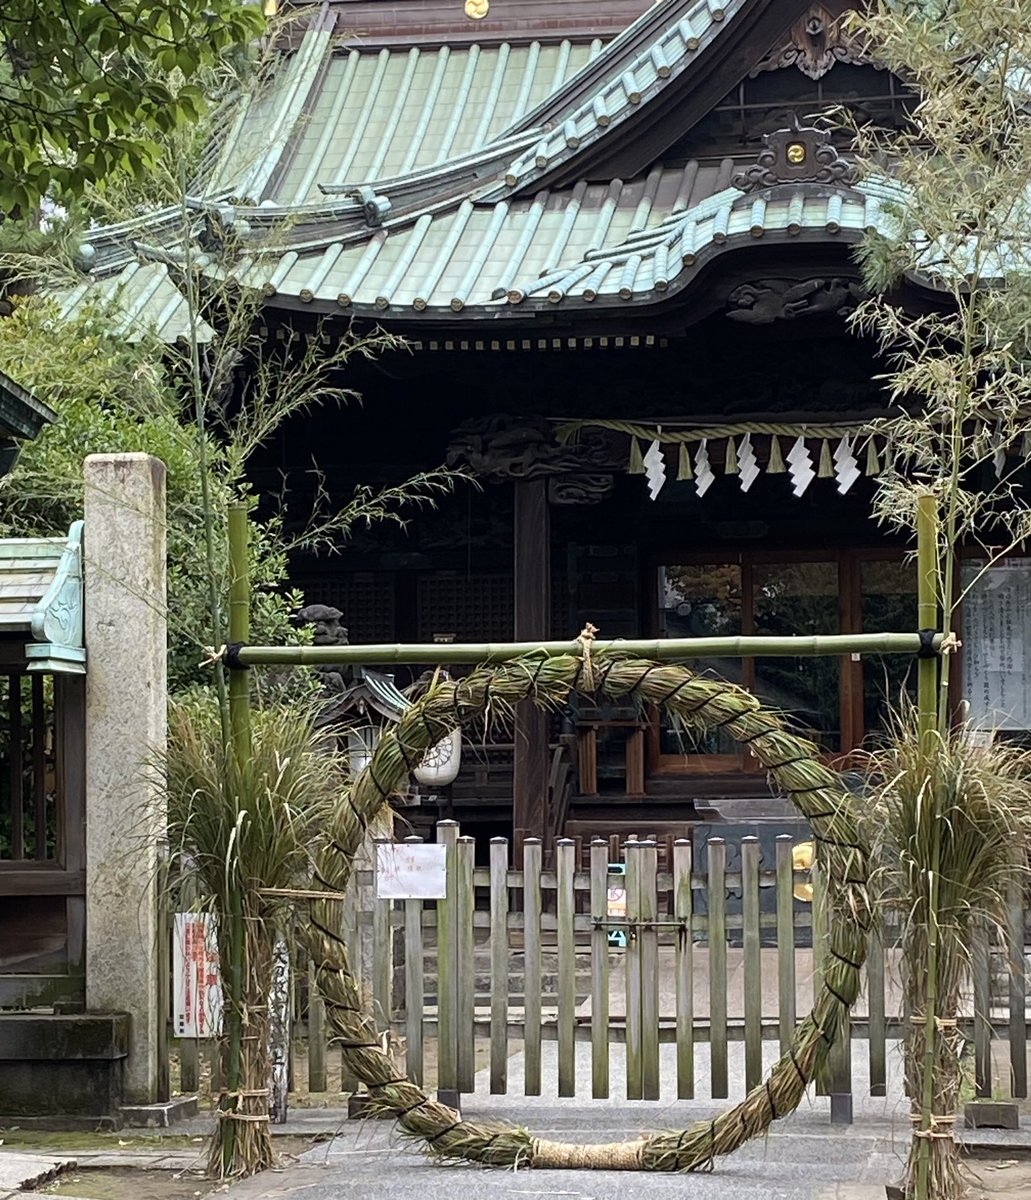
(80, 98)
(955, 185)
(112, 396)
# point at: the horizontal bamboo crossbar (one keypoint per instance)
(660, 649)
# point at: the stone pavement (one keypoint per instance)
(19, 1171)
(803, 1158)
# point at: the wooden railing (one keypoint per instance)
(531, 980)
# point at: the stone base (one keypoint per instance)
(62, 1070)
(990, 1114)
(159, 1116)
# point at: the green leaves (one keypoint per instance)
(75, 76)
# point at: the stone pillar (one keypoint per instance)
(126, 694)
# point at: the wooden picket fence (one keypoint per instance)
(513, 981)
(695, 970)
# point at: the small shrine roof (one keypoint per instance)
(41, 598)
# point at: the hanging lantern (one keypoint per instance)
(441, 762)
(361, 745)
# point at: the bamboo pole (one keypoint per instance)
(240, 748)
(927, 609)
(929, 722)
(239, 629)
(661, 649)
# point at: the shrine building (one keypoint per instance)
(618, 242)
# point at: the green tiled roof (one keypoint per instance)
(595, 242)
(677, 35)
(41, 599)
(144, 300)
(364, 116)
(446, 144)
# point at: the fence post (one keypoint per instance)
(634, 1083)
(499, 966)
(683, 905)
(649, 914)
(532, 862)
(415, 981)
(1017, 999)
(876, 1002)
(751, 944)
(599, 969)
(466, 852)
(447, 971)
(981, 966)
(786, 1001)
(717, 895)
(565, 863)
(316, 1035)
(382, 955)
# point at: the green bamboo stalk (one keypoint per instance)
(239, 749)
(927, 687)
(239, 629)
(660, 649)
(927, 610)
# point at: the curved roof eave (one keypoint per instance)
(647, 268)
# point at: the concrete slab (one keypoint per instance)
(24, 1171)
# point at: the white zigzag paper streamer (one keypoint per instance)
(655, 469)
(747, 467)
(846, 465)
(800, 463)
(703, 476)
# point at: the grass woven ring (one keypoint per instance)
(702, 704)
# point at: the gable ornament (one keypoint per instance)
(803, 154)
(814, 44)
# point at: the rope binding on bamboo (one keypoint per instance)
(702, 704)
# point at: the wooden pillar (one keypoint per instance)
(532, 620)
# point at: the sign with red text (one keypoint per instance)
(196, 983)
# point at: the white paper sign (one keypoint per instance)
(196, 984)
(996, 628)
(411, 872)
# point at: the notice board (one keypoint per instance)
(996, 633)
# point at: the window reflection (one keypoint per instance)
(792, 599)
(888, 606)
(700, 600)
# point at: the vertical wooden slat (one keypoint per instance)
(499, 966)
(683, 904)
(1017, 981)
(466, 965)
(70, 813)
(14, 762)
(980, 962)
(532, 965)
(634, 1085)
(316, 1035)
(717, 896)
(786, 999)
(349, 922)
(876, 1001)
(382, 958)
(752, 961)
(599, 969)
(415, 976)
(163, 970)
(819, 953)
(565, 861)
(649, 914)
(447, 965)
(39, 766)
